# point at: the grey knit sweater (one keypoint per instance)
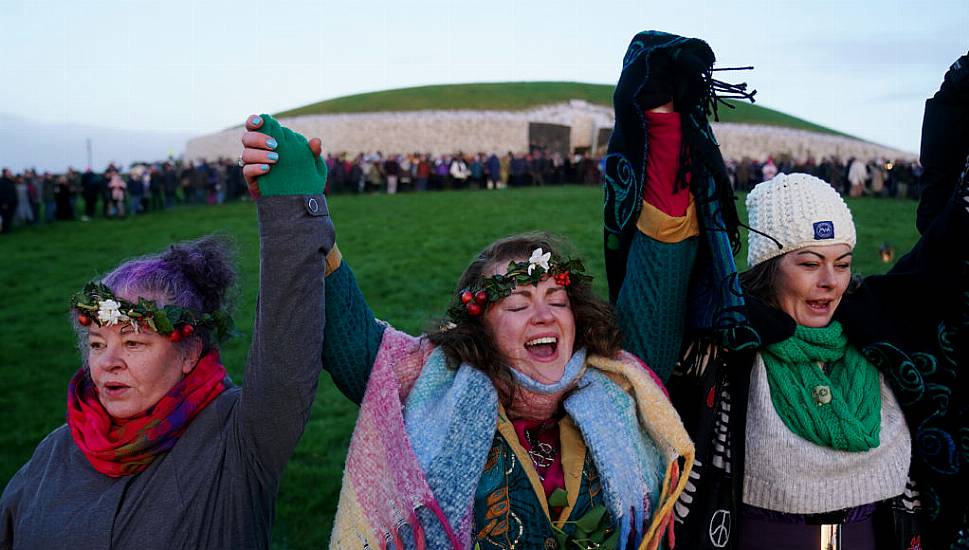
(217, 487)
(788, 473)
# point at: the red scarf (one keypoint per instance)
(126, 448)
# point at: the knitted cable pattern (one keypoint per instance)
(841, 409)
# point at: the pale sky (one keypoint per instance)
(190, 67)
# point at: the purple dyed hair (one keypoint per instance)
(198, 275)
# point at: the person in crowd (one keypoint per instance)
(876, 170)
(160, 449)
(518, 167)
(117, 189)
(769, 170)
(63, 198)
(169, 185)
(136, 188)
(407, 169)
(819, 404)
(459, 171)
(156, 188)
(392, 172)
(24, 213)
(493, 169)
(476, 171)
(442, 171)
(90, 191)
(518, 423)
(423, 173)
(8, 200)
(857, 177)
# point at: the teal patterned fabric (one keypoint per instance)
(715, 303)
(508, 514)
(652, 304)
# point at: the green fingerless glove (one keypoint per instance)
(298, 171)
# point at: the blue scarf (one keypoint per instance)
(451, 417)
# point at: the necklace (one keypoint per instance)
(542, 453)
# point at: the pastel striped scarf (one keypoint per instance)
(415, 460)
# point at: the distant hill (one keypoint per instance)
(516, 96)
(26, 143)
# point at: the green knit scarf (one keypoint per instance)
(841, 409)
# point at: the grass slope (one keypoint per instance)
(516, 96)
(406, 250)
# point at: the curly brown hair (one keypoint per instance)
(470, 340)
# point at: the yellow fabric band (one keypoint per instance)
(333, 260)
(664, 228)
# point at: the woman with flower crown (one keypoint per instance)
(520, 423)
(160, 449)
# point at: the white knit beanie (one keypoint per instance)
(798, 210)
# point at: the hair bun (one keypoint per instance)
(207, 264)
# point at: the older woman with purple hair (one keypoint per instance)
(160, 449)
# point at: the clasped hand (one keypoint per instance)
(278, 161)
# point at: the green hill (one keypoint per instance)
(516, 96)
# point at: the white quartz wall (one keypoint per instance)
(439, 132)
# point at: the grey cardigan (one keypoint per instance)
(217, 486)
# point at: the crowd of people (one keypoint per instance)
(33, 197)
(855, 177)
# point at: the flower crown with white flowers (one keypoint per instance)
(97, 304)
(472, 301)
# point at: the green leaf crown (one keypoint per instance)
(98, 304)
(472, 301)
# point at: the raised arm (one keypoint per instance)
(295, 234)
(669, 218)
(930, 283)
(945, 142)
(652, 301)
(352, 335)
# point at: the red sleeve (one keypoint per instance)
(663, 138)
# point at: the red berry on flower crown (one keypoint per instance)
(466, 296)
(83, 320)
(481, 297)
(175, 336)
(474, 309)
(187, 330)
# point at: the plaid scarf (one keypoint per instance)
(125, 449)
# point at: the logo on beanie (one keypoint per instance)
(823, 230)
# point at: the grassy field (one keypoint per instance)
(407, 251)
(516, 96)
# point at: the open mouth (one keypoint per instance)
(819, 306)
(542, 348)
(115, 388)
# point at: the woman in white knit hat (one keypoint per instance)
(813, 399)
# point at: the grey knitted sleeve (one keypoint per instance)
(284, 360)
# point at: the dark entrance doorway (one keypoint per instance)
(553, 138)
